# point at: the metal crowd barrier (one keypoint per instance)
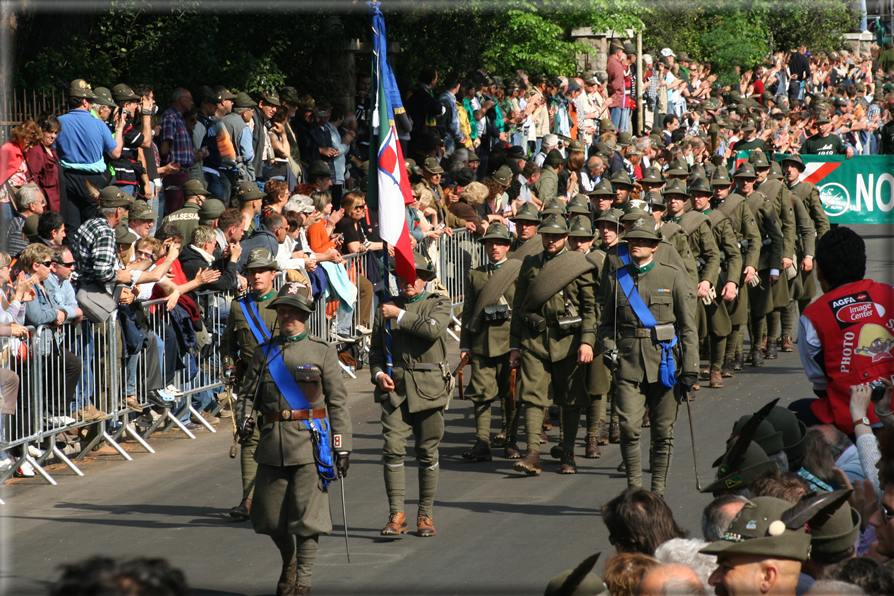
(457, 255)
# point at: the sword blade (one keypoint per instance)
(344, 513)
(698, 486)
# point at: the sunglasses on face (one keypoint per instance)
(44, 263)
(887, 514)
(68, 265)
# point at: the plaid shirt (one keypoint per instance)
(96, 254)
(173, 128)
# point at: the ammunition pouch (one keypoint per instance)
(743, 245)
(534, 321)
(497, 312)
(699, 264)
(663, 333)
(568, 325)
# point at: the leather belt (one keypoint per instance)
(417, 366)
(290, 415)
(639, 332)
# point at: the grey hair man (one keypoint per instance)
(718, 515)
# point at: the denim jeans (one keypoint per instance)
(615, 115)
(215, 187)
(84, 348)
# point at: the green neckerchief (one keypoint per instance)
(266, 296)
(495, 266)
(796, 185)
(676, 219)
(414, 299)
(473, 124)
(707, 211)
(290, 339)
(642, 270)
(547, 258)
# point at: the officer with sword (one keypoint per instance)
(299, 402)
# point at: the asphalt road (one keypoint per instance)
(498, 532)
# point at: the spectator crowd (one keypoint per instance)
(113, 210)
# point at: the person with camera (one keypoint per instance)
(648, 332)
(250, 324)
(294, 393)
(551, 335)
(845, 337)
(130, 176)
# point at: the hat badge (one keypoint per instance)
(295, 286)
(256, 254)
(639, 224)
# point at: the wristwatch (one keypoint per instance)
(863, 420)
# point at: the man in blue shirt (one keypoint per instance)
(82, 145)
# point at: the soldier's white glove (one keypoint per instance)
(755, 281)
(710, 296)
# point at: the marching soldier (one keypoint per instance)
(809, 195)
(735, 207)
(601, 197)
(701, 244)
(647, 302)
(250, 323)
(581, 237)
(609, 227)
(551, 335)
(717, 315)
(780, 196)
(651, 180)
(408, 364)
(296, 394)
(526, 220)
(490, 292)
(623, 185)
(760, 297)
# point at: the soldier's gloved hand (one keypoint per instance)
(688, 380)
(246, 428)
(227, 377)
(610, 357)
(342, 464)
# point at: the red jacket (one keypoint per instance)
(854, 325)
(615, 71)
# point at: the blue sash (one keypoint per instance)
(319, 428)
(667, 370)
(255, 322)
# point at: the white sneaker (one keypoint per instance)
(35, 452)
(60, 420)
(364, 330)
(6, 463)
(25, 470)
(171, 390)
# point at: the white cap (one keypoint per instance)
(550, 140)
(668, 52)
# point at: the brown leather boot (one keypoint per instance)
(614, 432)
(568, 465)
(592, 450)
(511, 450)
(530, 464)
(480, 452)
(764, 343)
(500, 439)
(602, 433)
(543, 438)
(302, 591)
(757, 358)
(716, 380)
(787, 345)
(286, 584)
(241, 510)
(771, 351)
(425, 526)
(726, 371)
(705, 374)
(738, 361)
(397, 525)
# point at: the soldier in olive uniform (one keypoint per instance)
(490, 293)
(291, 502)
(636, 352)
(552, 334)
(579, 205)
(652, 180)
(809, 195)
(623, 185)
(701, 244)
(187, 217)
(526, 220)
(769, 541)
(780, 196)
(602, 196)
(760, 297)
(717, 315)
(408, 365)
(237, 346)
(735, 207)
(581, 238)
(609, 226)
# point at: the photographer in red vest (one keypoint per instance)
(846, 336)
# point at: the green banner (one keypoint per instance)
(859, 190)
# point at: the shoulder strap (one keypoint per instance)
(626, 282)
(255, 322)
(284, 381)
(729, 205)
(669, 229)
(494, 288)
(755, 201)
(691, 220)
(716, 216)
